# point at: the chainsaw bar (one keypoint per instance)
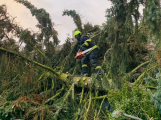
(81, 54)
(86, 51)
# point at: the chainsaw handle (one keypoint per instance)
(79, 55)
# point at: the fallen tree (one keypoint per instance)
(93, 82)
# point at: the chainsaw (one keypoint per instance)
(81, 54)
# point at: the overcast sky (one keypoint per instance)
(92, 11)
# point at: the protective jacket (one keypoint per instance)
(86, 43)
(91, 56)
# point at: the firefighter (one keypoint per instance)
(91, 56)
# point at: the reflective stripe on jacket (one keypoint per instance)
(86, 43)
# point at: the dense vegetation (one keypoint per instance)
(44, 84)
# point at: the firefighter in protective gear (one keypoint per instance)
(91, 56)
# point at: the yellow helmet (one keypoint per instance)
(77, 32)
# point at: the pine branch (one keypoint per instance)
(55, 95)
(142, 75)
(29, 60)
(90, 100)
(120, 112)
(65, 98)
(76, 18)
(101, 106)
(142, 64)
(41, 53)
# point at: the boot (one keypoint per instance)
(84, 72)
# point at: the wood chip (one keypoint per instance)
(86, 83)
(84, 78)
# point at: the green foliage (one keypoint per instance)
(43, 39)
(156, 96)
(45, 23)
(125, 36)
(152, 17)
(134, 101)
(28, 39)
(27, 91)
(76, 18)
(8, 24)
(14, 109)
(8, 30)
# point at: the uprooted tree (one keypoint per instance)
(45, 84)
